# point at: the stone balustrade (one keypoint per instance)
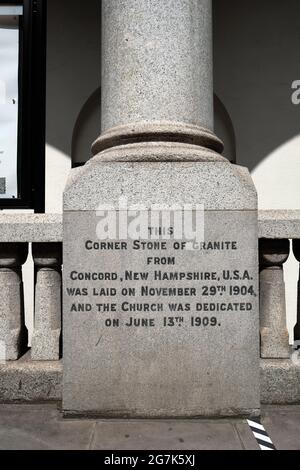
(273, 331)
(276, 229)
(44, 233)
(48, 301)
(35, 374)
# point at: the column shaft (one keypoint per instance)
(157, 79)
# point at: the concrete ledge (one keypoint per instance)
(47, 228)
(38, 228)
(26, 381)
(280, 382)
(279, 224)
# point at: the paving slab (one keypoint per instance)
(246, 436)
(41, 427)
(167, 435)
(283, 425)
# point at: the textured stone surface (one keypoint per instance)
(273, 329)
(160, 371)
(41, 228)
(30, 228)
(158, 152)
(279, 224)
(13, 333)
(28, 381)
(160, 79)
(219, 186)
(280, 381)
(47, 315)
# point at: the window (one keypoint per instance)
(22, 104)
(9, 100)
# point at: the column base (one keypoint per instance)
(157, 132)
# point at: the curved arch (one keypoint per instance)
(86, 129)
(224, 129)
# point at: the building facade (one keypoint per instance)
(256, 103)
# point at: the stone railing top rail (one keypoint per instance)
(46, 228)
(38, 228)
(279, 224)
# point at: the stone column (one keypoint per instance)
(273, 330)
(157, 74)
(157, 148)
(13, 333)
(296, 251)
(47, 314)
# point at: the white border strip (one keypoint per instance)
(261, 435)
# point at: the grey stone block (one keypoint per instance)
(159, 371)
(30, 381)
(280, 381)
(41, 228)
(279, 224)
(220, 186)
(38, 228)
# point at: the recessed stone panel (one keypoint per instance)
(155, 328)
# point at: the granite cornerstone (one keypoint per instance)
(160, 270)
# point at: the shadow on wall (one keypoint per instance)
(256, 59)
(73, 65)
(86, 129)
(73, 72)
(277, 177)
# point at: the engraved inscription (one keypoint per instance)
(162, 293)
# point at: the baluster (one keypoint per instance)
(296, 251)
(13, 332)
(273, 330)
(47, 316)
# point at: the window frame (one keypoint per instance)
(32, 107)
